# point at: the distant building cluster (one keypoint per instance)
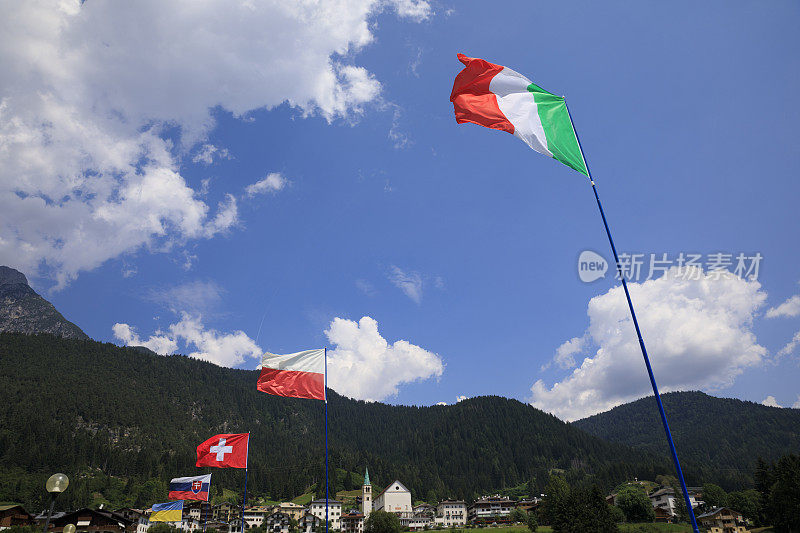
(395, 498)
(227, 517)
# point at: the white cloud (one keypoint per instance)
(698, 335)
(796, 405)
(441, 403)
(399, 138)
(89, 88)
(274, 182)
(789, 308)
(565, 354)
(790, 346)
(224, 349)
(770, 401)
(208, 152)
(408, 282)
(193, 296)
(365, 366)
(159, 343)
(415, 9)
(461, 398)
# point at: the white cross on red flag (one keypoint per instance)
(224, 450)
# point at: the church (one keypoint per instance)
(395, 498)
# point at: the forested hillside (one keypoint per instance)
(721, 436)
(122, 421)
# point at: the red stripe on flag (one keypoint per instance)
(187, 495)
(292, 383)
(472, 99)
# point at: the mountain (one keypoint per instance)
(121, 421)
(721, 436)
(22, 310)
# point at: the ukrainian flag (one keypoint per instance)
(167, 512)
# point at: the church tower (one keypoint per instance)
(366, 495)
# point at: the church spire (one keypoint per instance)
(366, 477)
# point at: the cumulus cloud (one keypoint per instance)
(790, 346)
(365, 366)
(223, 349)
(274, 182)
(408, 282)
(789, 308)
(770, 401)
(461, 398)
(698, 335)
(87, 172)
(565, 354)
(159, 343)
(796, 405)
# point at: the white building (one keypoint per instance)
(189, 524)
(278, 522)
(317, 508)
(416, 522)
(451, 513)
(255, 516)
(665, 499)
(395, 498)
(491, 508)
(353, 522)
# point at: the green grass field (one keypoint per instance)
(304, 499)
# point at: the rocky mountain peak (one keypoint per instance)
(9, 276)
(22, 310)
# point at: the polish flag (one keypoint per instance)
(224, 450)
(296, 375)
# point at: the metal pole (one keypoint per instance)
(50, 512)
(247, 464)
(639, 335)
(325, 392)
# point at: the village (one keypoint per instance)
(349, 515)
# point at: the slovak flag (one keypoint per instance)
(190, 488)
(224, 450)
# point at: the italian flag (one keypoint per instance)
(297, 375)
(499, 98)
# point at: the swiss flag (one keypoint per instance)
(224, 450)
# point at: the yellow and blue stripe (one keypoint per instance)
(167, 512)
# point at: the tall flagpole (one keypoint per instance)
(638, 334)
(325, 392)
(246, 465)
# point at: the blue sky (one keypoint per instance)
(457, 239)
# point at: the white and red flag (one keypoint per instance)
(226, 450)
(296, 375)
(190, 488)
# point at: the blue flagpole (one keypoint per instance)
(247, 464)
(639, 335)
(325, 391)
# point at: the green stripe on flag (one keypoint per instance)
(561, 139)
